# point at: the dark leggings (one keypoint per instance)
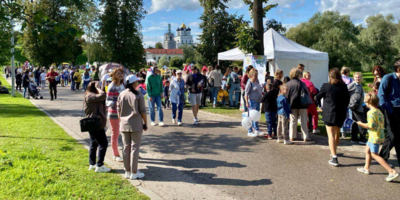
(97, 138)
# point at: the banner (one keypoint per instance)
(259, 63)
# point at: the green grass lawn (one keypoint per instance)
(39, 160)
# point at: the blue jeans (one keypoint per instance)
(66, 81)
(254, 106)
(73, 85)
(179, 107)
(234, 90)
(156, 100)
(37, 82)
(25, 91)
(349, 115)
(271, 122)
(214, 94)
(85, 84)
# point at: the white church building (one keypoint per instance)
(183, 36)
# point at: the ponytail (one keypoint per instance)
(133, 90)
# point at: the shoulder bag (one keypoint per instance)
(304, 95)
(90, 123)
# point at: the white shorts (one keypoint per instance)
(195, 99)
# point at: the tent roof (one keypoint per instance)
(234, 54)
(277, 46)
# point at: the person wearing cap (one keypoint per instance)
(131, 110)
(155, 91)
(177, 89)
(105, 77)
(195, 84)
(389, 100)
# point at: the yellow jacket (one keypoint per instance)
(77, 77)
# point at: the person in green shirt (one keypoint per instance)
(155, 88)
(376, 127)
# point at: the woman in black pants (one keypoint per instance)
(204, 92)
(94, 107)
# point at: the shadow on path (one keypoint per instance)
(191, 163)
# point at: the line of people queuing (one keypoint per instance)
(342, 98)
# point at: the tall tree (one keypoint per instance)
(329, 32)
(277, 26)
(219, 30)
(377, 42)
(120, 31)
(159, 45)
(5, 34)
(258, 12)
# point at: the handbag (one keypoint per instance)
(90, 123)
(305, 96)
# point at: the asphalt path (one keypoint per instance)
(216, 160)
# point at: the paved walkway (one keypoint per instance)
(216, 160)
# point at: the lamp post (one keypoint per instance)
(12, 60)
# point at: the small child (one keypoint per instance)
(375, 126)
(43, 79)
(270, 108)
(375, 87)
(283, 116)
(166, 94)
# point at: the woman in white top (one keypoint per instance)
(177, 97)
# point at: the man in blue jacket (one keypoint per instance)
(389, 99)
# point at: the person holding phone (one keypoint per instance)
(131, 110)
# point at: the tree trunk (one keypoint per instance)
(258, 25)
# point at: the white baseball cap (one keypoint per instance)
(131, 79)
(110, 70)
(179, 72)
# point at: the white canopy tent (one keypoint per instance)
(285, 54)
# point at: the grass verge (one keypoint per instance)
(39, 160)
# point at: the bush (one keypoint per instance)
(176, 62)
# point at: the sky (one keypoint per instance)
(289, 13)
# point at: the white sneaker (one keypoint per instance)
(173, 121)
(279, 140)
(259, 133)
(161, 124)
(137, 175)
(92, 167)
(315, 131)
(102, 169)
(252, 134)
(179, 123)
(127, 174)
(153, 123)
(195, 122)
(118, 159)
(288, 142)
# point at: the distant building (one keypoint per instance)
(183, 36)
(169, 42)
(157, 54)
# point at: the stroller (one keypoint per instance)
(34, 92)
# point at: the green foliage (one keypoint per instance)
(163, 62)
(120, 31)
(189, 60)
(245, 39)
(332, 33)
(176, 62)
(159, 45)
(5, 34)
(188, 51)
(219, 31)
(378, 42)
(98, 52)
(277, 26)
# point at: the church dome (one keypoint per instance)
(188, 29)
(178, 29)
(183, 25)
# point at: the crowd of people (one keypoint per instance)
(120, 99)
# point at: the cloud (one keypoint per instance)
(361, 9)
(168, 5)
(289, 26)
(151, 40)
(235, 4)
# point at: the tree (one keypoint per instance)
(329, 32)
(48, 36)
(219, 30)
(277, 26)
(120, 31)
(258, 12)
(159, 45)
(5, 34)
(163, 62)
(189, 60)
(377, 42)
(188, 51)
(98, 52)
(176, 62)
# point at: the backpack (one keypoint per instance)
(235, 79)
